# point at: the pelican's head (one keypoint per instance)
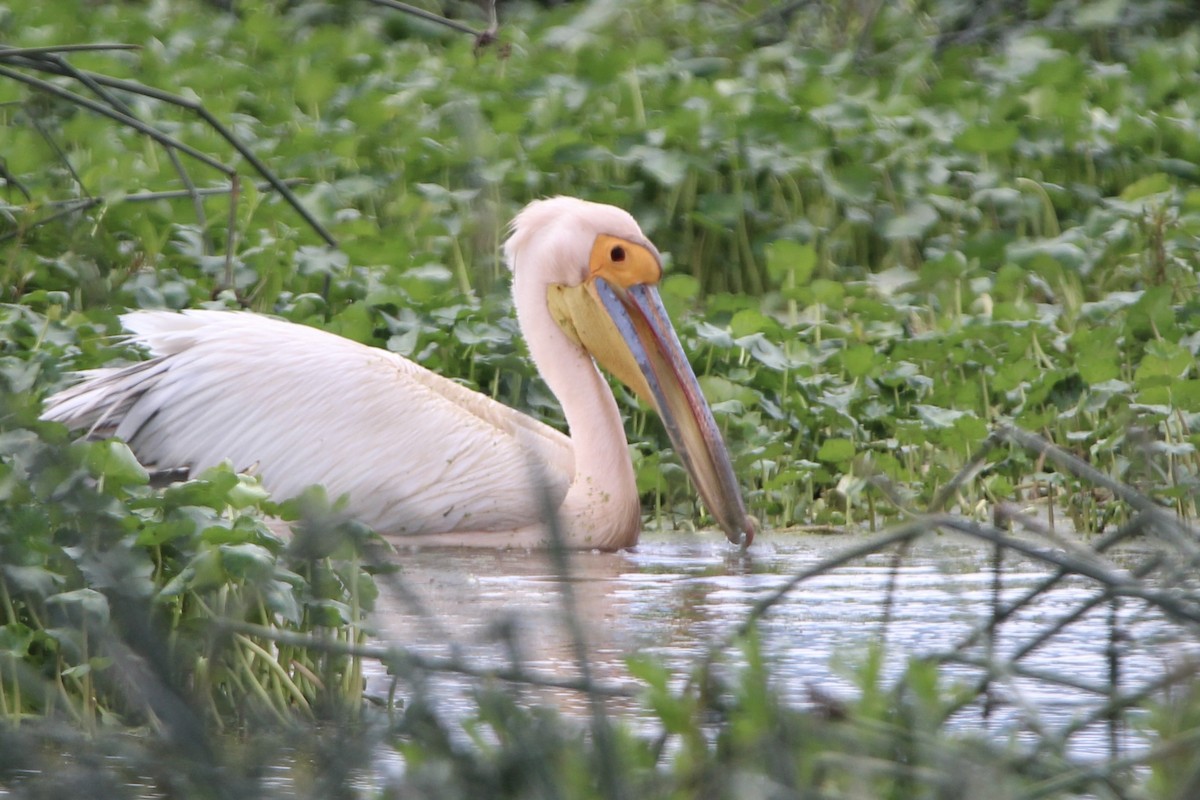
(570, 236)
(598, 273)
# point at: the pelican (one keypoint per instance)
(418, 457)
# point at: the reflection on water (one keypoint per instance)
(677, 595)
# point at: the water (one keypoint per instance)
(677, 596)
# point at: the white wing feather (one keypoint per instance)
(415, 452)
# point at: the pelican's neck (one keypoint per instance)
(601, 508)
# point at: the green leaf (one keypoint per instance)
(859, 360)
(1156, 183)
(912, 224)
(1097, 354)
(247, 492)
(1181, 395)
(790, 261)
(355, 322)
(718, 390)
(828, 293)
(1163, 362)
(750, 321)
(208, 490)
(836, 451)
(15, 639)
(667, 167)
(996, 138)
(247, 561)
(116, 464)
(1153, 315)
(1100, 13)
(320, 261)
(91, 604)
(936, 417)
(1098, 366)
(94, 664)
(165, 531)
(35, 579)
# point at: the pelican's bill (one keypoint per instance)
(626, 330)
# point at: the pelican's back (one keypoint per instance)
(415, 452)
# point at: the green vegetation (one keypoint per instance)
(879, 245)
(890, 226)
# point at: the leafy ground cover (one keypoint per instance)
(883, 236)
(889, 227)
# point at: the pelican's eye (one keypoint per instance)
(624, 263)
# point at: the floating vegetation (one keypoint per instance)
(935, 263)
(271, 702)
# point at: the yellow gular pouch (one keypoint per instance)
(581, 314)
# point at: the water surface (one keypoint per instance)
(678, 595)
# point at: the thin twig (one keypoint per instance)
(1168, 522)
(12, 180)
(7, 52)
(96, 81)
(235, 192)
(1010, 668)
(611, 779)
(146, 197)
(75, 207)
(428, 16)
(401, 658)
(62, 156)
(893, 582)
(1050, 583)
(874, 544)
(969, 470)
(117, 116)
(1118, 584)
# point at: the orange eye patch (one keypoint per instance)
(622, 262)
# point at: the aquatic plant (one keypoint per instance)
(1007, 207)
(900, 236)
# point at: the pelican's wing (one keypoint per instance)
(415, 452)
